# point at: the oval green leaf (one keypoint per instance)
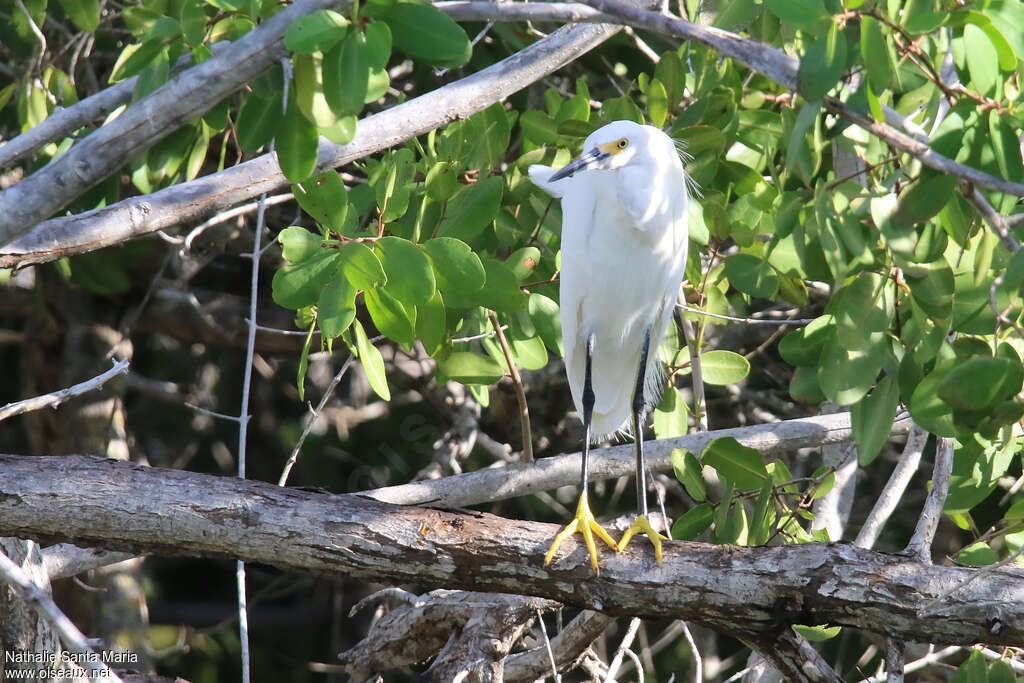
(410, 277)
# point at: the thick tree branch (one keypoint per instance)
(188, 202)
(746, 592)
(184, 97)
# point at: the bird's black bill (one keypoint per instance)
(580, 164)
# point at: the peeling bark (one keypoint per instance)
(745, 592)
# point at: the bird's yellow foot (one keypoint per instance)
(640, 525)
(585, 524)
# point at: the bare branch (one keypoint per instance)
(64, 560)
(722, 587)
(517, 381)
(73, 639)
(566, 647)
(607, 463)
(892, 492)
(55, 398)
(63, 122)
(996, 223)
(184, 97)
(188, 202)
(920, 545)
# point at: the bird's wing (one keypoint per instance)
(540, 175)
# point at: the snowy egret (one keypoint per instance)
(624, 240)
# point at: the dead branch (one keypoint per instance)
(745, 592)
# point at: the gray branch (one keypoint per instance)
(55, 398)
(516, 480)
(745, 592)
(66, 120)
(183, 98)
(191, 201)
(920, 545)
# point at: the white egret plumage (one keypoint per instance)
(624, 242)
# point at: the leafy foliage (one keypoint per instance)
(913, 301)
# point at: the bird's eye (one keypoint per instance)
(622, 144)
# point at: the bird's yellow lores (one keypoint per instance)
(624, 240)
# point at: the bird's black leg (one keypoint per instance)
(638, 424)
(588, 412)
(584, 521)
(641, 525)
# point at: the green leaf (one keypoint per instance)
(544, 313)
(723, 367)
(1006, 146)
(752, 275)
(817, 634)
(299, 284)
(456, 266)
(84, 13)
(299, 244)
(389, 315)
(1000, 672)
(431, 323)
(924, 199)
(470, 368)
(297, 144)
(846, 375)
(657, 103)
(875, 53)
(523, 262)
(803, 347)
(501, 289)
(258, 121)
(689, 473)
(346, 73)
(800, 13)
(336, 307)
(872, 419)
(974, 670)
(373, 363)
(316, 32)
(670, 73)
(977, 555)
(927, 409)
(473, 209)
(300, 380)
(933, 290)
(378, 44)
(741, 465)
(426, 34)
(325, 199)
(410, 277)
(822, 65)
(980, 383)
(361, 266)
(670, 415)
(538, 127)
(135, 58)
(530, 354)
(442, 180)
(693, 523)
(982, 59)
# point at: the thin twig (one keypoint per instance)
(920, 543)
(29, 591)
(747, 321)
(892, 492)
(517, 381)
(55, 398)
(547, 645)
(700, 408)
(312, 420)
(995, 222)
(627, 642)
